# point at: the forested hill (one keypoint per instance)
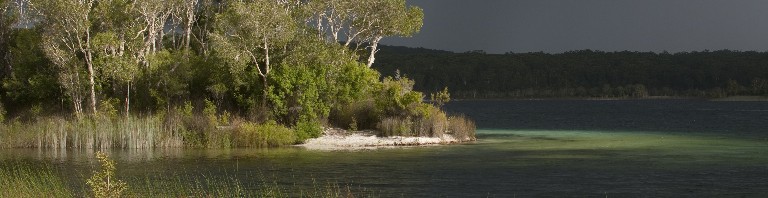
(584, 73)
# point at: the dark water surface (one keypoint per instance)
(527, 148)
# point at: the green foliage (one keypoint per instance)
(353, 124)
(108, 107)
(440, 98)
(104, 183)
(268, 134)
(256, 60)
(397, 98)
(316, 79)
(295, 93)
(210, 112)
(2, 112)
(360, 114)
(33, 79)
(307, 129)
(168, 77)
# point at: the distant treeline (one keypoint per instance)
(583, 73)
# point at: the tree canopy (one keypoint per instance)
(262, 59)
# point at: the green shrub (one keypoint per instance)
(2, 113)
(108, 107)
(268, 134)
(103, 183)
(397, 98)
(210, 113)
(361, 114)
(432, 122)
(440, 98)
(307, 129)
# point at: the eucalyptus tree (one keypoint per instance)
(383, 18)
(249, 34)
(189, 17)
(118, 44)
(67, 42)
(7, 19)
(364, 21)
(155, 15)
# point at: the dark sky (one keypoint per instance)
(499, 26)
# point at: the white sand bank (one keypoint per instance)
(337, 139)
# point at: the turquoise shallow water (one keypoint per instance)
(648, 156)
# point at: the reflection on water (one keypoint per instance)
(504, 163)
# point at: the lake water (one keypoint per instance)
(527, 148)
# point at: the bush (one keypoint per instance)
(361, 114)
(428, 121)
(307, 129)
(462, 128)
(395, 126)
(269, 134)
(2, 113)
(397, 98)
(103, 183)
(432, 123)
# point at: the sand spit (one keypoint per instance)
(339, 139)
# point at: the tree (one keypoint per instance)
(116, 44)
(155, 14)
(249, 34)
(364, 21)
(67, 42)
(376, 19)
(441, 97)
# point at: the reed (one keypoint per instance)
(19, 179)
(91, 132)
(462, 128)
(431, 122)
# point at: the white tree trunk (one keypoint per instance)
(374, 46)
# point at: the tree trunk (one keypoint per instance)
(92, 83)
(374, 46)
(128, 100)
(265, 92)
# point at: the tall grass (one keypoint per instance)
(93, 132)
(20, 179)
(462, 128)
(431, 122)
(168, 130)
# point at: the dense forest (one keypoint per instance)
(270, 69)
(583, 73)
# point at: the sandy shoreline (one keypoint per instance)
(339, 139)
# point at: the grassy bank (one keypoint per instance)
(21, 179)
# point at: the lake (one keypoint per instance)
(526, 148)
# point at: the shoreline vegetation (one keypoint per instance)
(262, 73)
(23, 179)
